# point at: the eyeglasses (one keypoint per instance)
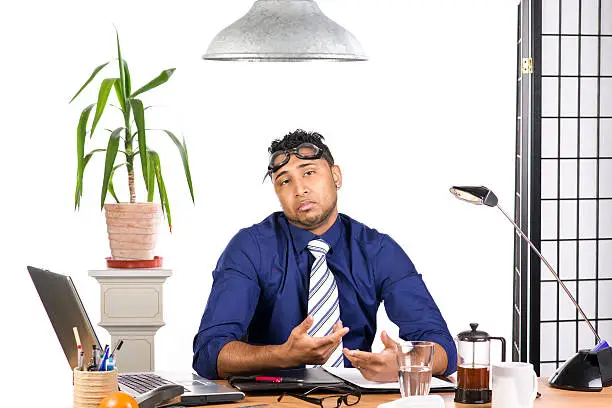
(305, 151)
(331, 401)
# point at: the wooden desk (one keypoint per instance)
(551, 397)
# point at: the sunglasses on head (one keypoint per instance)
(305, 151)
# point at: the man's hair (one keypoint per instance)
(299, 136)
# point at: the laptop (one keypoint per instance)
(65, 309)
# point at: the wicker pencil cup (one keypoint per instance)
(91, 387)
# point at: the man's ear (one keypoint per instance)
(337, 175)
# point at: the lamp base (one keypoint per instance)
(585, 371)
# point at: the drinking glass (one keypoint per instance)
(414, 359)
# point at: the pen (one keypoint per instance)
(80, 357)
(93, 366)
(79, 347)
(262, 378)
(117, 347)
(76, 337)
(110, 363)
(102, 366)
(103, 358)
(101, 354)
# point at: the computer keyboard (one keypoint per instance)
(142, 383)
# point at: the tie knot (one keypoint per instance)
(318, 247)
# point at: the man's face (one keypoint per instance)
(307, 191)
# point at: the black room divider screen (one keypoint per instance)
(563, 177)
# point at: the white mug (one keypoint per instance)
(515, 385)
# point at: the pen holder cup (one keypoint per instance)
(91, 387)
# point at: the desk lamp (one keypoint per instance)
(587, 370)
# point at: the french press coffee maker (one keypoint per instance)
(474, 347)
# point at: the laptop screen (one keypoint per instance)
(65, 310)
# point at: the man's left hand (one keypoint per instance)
(380, 367)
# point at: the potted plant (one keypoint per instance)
(132, 227)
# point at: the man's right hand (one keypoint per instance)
(302, 348)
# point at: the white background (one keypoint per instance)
(433, 107)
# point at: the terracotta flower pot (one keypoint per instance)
(133, 229)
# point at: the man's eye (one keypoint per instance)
(283, 182)
(309, 172)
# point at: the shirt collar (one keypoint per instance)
(302, 237)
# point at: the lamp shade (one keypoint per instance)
(285, 30)
(475, 195)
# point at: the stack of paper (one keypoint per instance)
(354, 376)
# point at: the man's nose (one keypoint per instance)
(300, 187)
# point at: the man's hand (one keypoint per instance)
(302, 348)
(380, 367)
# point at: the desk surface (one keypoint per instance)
(551, 397)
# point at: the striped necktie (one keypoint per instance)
(323, 303)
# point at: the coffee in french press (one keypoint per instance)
(473, 371)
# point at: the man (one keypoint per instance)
(303, 287)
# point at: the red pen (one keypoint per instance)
(277, 379)
(80, 355)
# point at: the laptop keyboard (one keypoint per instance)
(142, 383)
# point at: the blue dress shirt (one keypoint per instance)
(260, 290)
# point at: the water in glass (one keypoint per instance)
(414, 380)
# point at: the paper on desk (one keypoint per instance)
(354, 376)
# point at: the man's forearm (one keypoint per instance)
(237, 357)
(440, 360)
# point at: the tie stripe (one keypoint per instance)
(326, 296)
(316, 328)
(316, 266)
(323, 303)
(338, 361)
(318, 285)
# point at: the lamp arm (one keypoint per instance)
(550, 268)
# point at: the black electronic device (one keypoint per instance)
(293, 379)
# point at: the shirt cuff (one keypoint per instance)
(206, 353)
(448, 345)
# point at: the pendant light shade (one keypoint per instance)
(285, 30)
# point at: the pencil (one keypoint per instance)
(76, 336)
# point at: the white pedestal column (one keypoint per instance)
(131, 309)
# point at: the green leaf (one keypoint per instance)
(111, 190)
(93, 75)
(163, 196)
(151, 179)
(111, 154)
(128, 79)
(105, 88)
(122, 66)
(80, 176)
(182, 147)
(111, 187)
(81, 132)
(154, 83)
(138, 110)
(119, 93)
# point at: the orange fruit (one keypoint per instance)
(118, 399)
